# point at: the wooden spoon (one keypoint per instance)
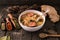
(43, 35)
(8, 24)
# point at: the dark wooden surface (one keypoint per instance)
(24, 35)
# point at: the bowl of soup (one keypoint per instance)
(31, 20)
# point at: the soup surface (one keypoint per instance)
(31, 19)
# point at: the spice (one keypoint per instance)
(8, 24)
(16, 24)
(42, 35)
(14, 21)
(52, 31)
(8, 38)
(5, 38)
(2, 26)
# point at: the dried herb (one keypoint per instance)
(17, 24)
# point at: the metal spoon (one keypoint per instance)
(43, 35)
(44, 13)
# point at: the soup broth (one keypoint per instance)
(30, 19)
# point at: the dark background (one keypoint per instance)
(20, 2)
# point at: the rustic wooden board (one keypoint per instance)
(2, 33)
(26, 35)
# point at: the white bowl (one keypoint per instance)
(31, 28)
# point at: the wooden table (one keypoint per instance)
(24, 35)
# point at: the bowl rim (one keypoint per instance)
(31, 10)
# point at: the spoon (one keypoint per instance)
(44, 13)
(47, 10)
(43, 35)
(8, 24)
